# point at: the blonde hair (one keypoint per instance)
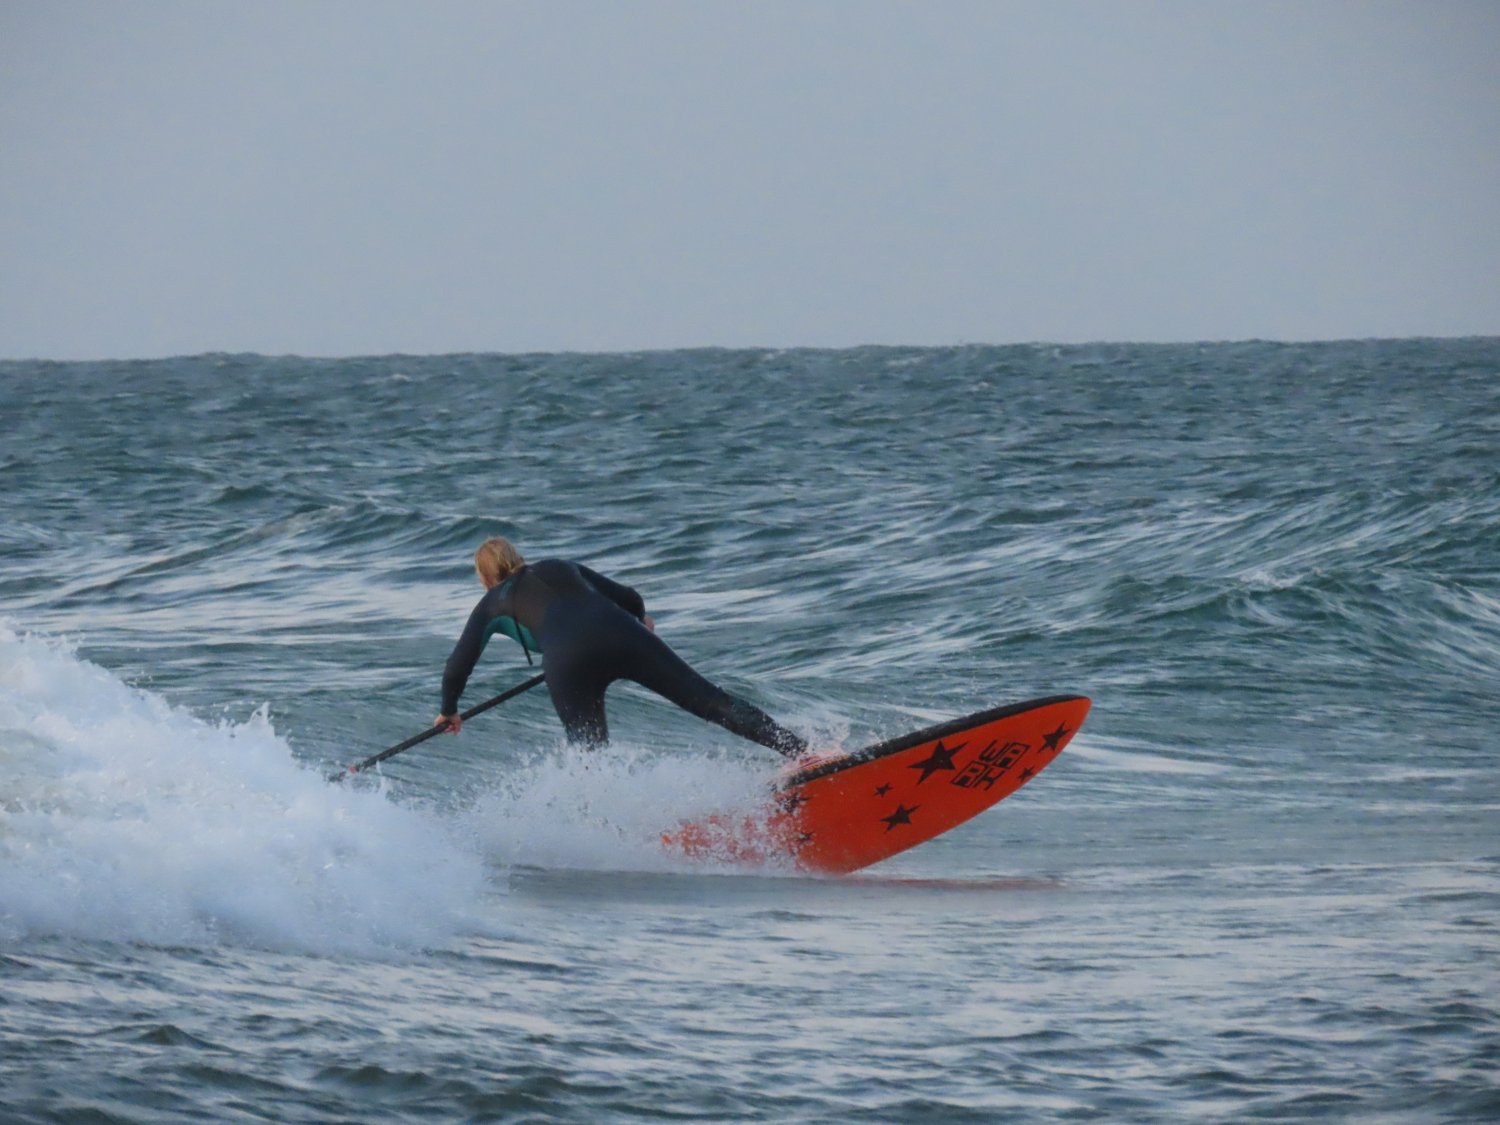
(496, 560)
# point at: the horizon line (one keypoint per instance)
(764, 348)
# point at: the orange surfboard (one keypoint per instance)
(843, 813)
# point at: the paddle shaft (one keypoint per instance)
(433, 731)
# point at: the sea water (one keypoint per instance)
(1262, 882)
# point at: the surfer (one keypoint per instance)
(590, 631)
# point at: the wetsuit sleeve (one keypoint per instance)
(623, 596)
(466, 653)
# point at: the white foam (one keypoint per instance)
(123, 818)
(607, 809)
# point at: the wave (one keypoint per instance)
(126, 819)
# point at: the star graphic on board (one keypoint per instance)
(1050, 741)
(902, 815)
(941, 758)
(882, 790)
(1027, 773)
(791, 801)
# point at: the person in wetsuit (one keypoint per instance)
(590, 632)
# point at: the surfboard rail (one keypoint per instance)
(917, 738)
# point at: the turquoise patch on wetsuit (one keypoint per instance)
(514, 630)
(511, 627)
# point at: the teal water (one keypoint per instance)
(1262, 883)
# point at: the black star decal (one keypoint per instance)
(902, 815)
(1028, 772)
(789, 802)
(882, 790)
(941, 758)
(1050, 741)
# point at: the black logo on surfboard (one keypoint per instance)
(990, 765)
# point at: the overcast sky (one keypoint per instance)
(337, 178)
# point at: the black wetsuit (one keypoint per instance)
(590, 634)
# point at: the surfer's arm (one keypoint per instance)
(622, 595)
(465, 655)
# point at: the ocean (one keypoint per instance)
(1262, 883)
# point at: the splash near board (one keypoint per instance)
(843, 813)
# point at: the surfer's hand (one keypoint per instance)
(647, 622)
(450, 723)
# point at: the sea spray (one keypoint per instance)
(607, 809)
(123, 818)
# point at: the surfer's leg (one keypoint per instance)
(579, 702)
(655, 666)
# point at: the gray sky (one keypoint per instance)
(335, 178)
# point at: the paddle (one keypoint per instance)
(432, 731)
